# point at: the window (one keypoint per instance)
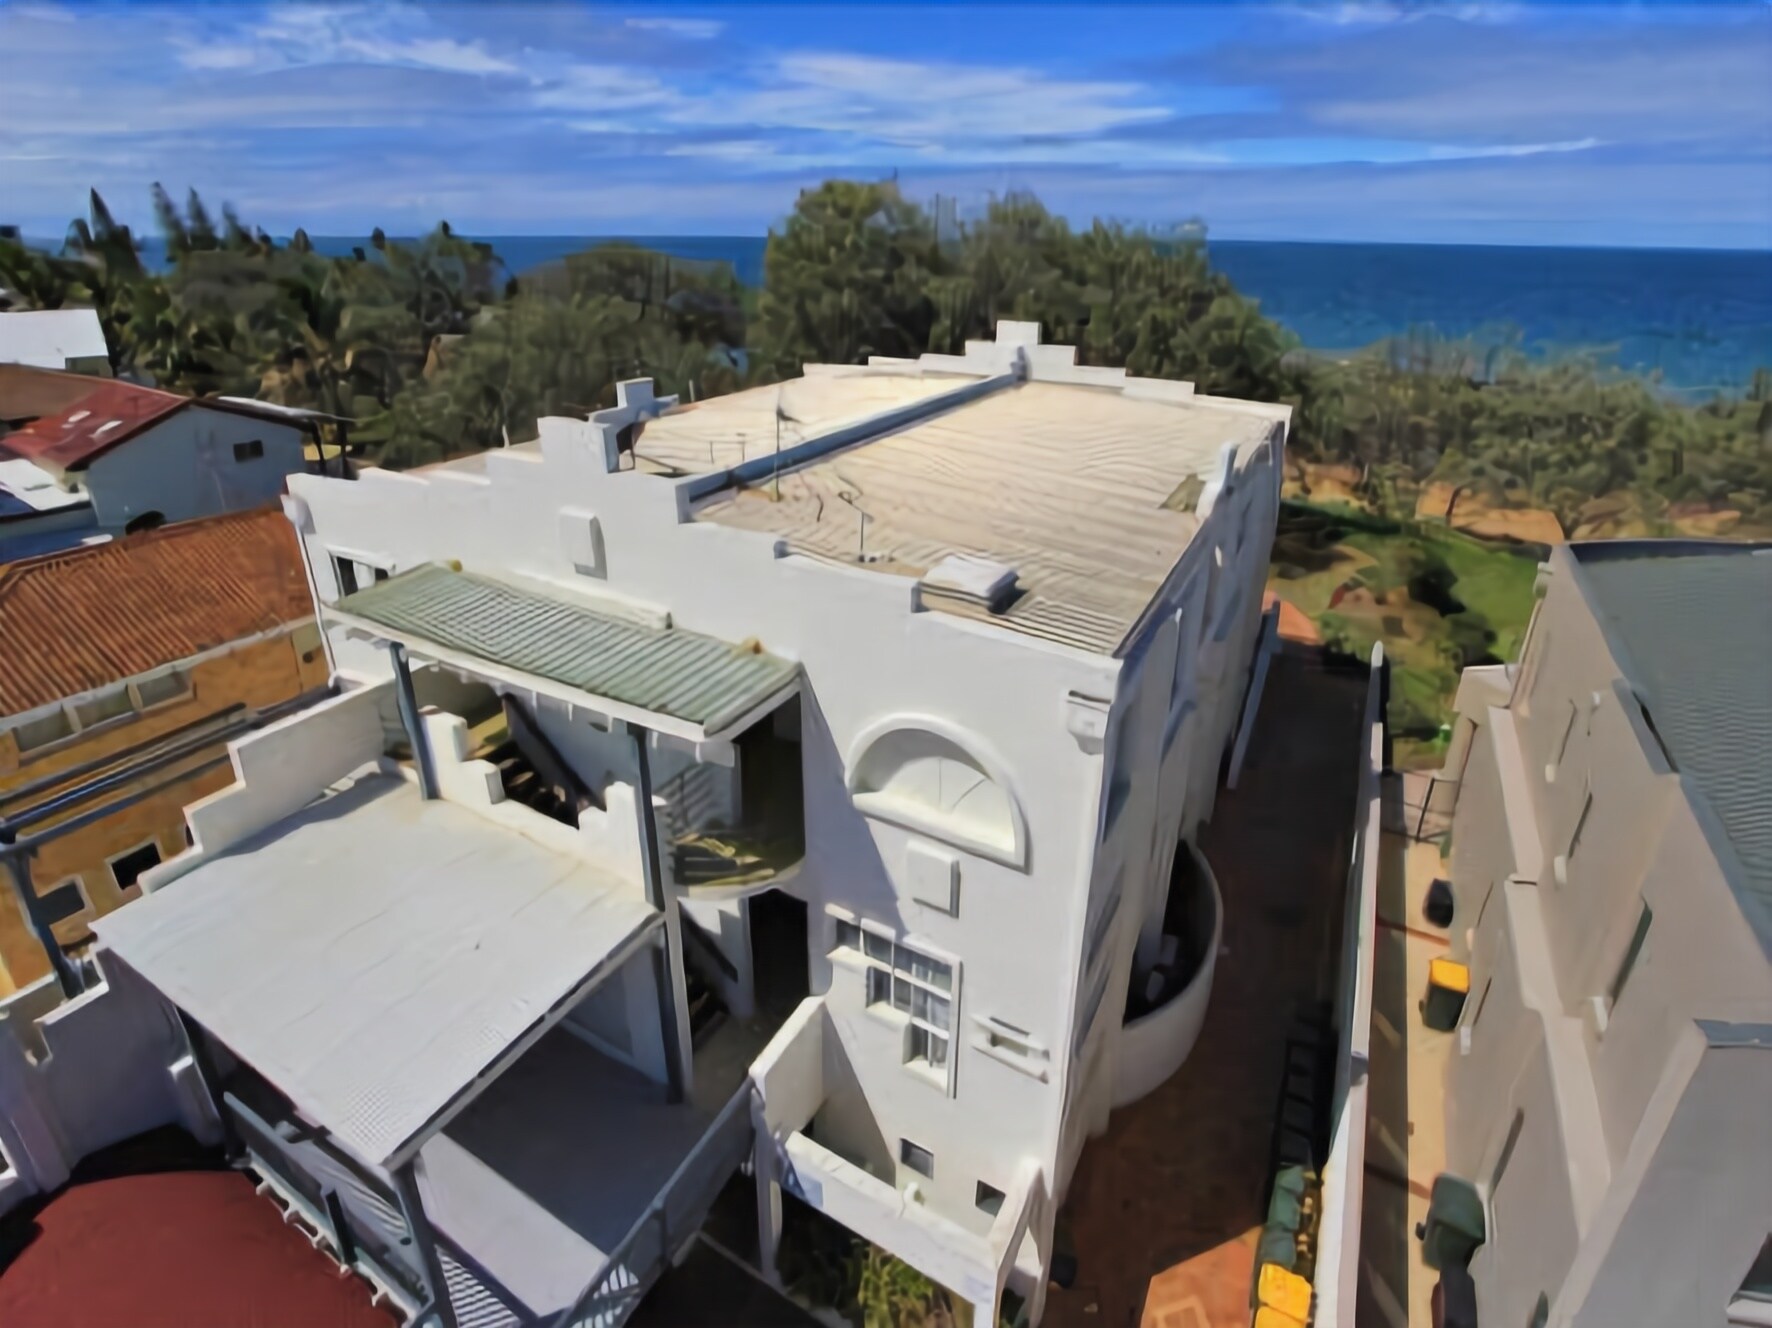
(848, 935)
(916, 986)
(127, 868)
(1014, 1047)
(100, 709)
(345, 570)
(989, 1199)
(249, 451)
(1481, 1002)
(918, 1158)
(1124, 757)
(65, 900)
(168, 687)
(930, 782)
(1635, 948)
(1587, 805)
(43, 730)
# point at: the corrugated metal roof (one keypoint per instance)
(700, 679)
(112, 413)
(723, 432)
(1692, 623)
(84, 618)
(1066, 484)
(374, 954)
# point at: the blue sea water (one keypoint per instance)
(1700, 319)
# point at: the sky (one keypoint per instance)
(1499, 123)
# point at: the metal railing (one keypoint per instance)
(673, 1217)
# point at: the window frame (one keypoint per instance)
(907, 1148)
(249, 449)
(886, 963)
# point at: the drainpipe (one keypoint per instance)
(414, 724)
(18, 875)
(673, 995)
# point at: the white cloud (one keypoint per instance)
(305, 35)
(691, 29)
(605, 88)
(1449, 153)
(1379, 13)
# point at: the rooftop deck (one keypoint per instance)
(1166, 1209)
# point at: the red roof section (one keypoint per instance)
(85, 618)
(173, 1250)
(111, 413)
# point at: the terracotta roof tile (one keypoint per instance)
(74, 621)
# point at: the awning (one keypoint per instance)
(376, 955)
(699, 684)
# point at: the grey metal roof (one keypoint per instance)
(1692, 624)
(699, 679)
(376, 954)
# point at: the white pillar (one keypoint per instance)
(765, 1170)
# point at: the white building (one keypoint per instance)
(872, 707)
(107, 458)
(55, 339)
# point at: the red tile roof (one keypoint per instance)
(82, 619)
(30, 393)
(111, 413)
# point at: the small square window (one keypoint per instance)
(345, 571)
(878, 947)
(127, 869)
(989, 1199)
(917, 1158)
(922, 1044)
(66, 900)
(43, 730)
(848, 935)
(102, 708)
(249, 451)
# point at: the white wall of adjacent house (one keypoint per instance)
(195, 462)
(975, 917)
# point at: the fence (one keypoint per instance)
(1338, 1239)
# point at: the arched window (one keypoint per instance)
(924, 776)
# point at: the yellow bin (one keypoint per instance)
(1284, 1291)
(1269, 1317)
(1448, 983)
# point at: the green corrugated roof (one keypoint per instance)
(700, 679)
(1693, 622)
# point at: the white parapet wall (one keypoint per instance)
(80, 1075)
(1338, 1234)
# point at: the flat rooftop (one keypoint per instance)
(1087, 492)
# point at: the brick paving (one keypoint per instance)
(1165, 1209)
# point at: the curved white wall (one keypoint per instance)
(1154, 1046)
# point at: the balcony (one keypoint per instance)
(735, 831)
(1163, 1018)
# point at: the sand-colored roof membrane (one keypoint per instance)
(721, 432)
(1088, 493)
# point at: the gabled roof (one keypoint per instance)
(700, 680)
(112, 413)
(85, 618)
(1690, 623)
(50, 338)
(29, 393)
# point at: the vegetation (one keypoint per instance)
(432, 349)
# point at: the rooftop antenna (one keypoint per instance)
(781, 417)
(850, 495)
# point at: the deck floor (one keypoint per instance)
(1165, 1209)
(541, 1177)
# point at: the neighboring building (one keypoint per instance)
(873, 711)
(1612, 862)
(84, 458)
(55, 339)
(144, 654)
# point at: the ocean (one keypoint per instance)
(1700, 319)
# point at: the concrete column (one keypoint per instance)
(673, 991)
(412, 1208)
(409, 719)
(765, 1169)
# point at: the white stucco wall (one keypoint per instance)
(871, 663)
(184, 467)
